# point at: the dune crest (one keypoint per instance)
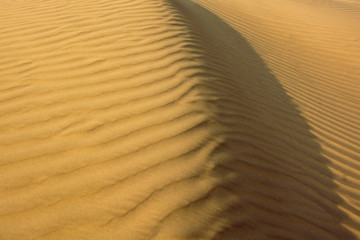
(312, 47)
(159, 119)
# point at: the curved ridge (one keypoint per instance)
(315, 58)
(155, 119)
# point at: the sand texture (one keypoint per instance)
(179, 119)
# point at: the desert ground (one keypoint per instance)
(179, 119)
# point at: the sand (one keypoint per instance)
(179, 119)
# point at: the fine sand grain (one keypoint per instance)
(179, 119)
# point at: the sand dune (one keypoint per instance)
(159, 119)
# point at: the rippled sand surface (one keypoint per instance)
(179, 119)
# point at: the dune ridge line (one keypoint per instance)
(179, 119)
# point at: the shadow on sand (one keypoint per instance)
(283, 185)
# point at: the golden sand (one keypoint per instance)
(179, 119)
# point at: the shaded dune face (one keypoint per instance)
(283, 187)
(151, 120)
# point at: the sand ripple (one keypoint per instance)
(159, 119)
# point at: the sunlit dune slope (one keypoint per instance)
(174, 119)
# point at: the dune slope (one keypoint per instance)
(159, 119)
(313, 49)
